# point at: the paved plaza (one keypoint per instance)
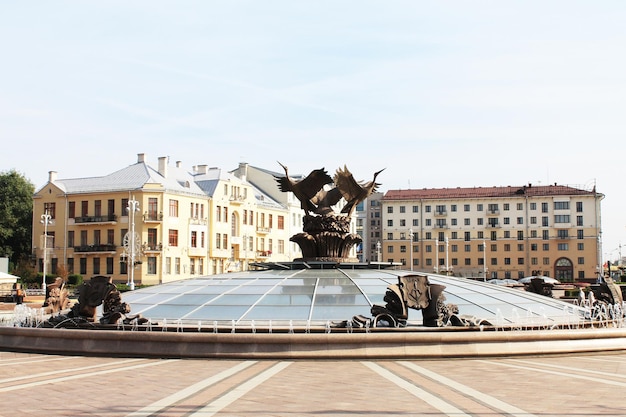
(566, 385)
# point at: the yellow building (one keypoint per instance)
(495, 232)
(185, 224)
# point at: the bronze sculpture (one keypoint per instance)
(326, 234)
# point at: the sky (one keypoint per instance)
(445, 93)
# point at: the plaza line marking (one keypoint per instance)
(64, 371)
(72, 377)
(158, 406)
(547, 371)
(216, 406)
(33, 360)
(464, 389)
(569, 368)
(445, 407)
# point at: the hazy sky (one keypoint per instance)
(441, 93)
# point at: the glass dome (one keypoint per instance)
(327, 293)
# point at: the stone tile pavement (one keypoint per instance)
(564, 385)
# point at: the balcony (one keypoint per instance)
(493, 225)
(150, 216)
(111, 218)
(263, 230)
(263, 253)
(152, 247)
(95, 248)
(237, 199)
(441, 226)
(441, 213)
(493, 212)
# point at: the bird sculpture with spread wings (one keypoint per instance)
(307, 188)
(352, 191)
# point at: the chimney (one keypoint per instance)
(178, 164)
(163, 166)
(141, 157)
(52, 176)
(243, 171)
(202, 169)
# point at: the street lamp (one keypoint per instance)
(447, 257)
(437, 256)
(484, 261)
(132, 243)
(45, 220)
(378, 251)
(411, 246)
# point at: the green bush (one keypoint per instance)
(75, 279)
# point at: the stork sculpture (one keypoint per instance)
(326, 234)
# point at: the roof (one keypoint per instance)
(487, 192)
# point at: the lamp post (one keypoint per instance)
(131, 242)
(411, 246)
(378, 251)
(484, 261)
(245, 252)
(447, 257)
(45, 220)
(437, 256)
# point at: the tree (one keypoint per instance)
(16, 216)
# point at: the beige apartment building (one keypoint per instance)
(497, 232)
(150, 225)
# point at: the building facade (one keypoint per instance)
(499, 232)
(148, 226)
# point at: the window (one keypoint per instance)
(520, 261)
(415, 209)
(579, 206)
(50, 208)
(281, 222)
(96, 266)
(561, 205)
(544, 207)
(579, 220)
(402, 209)
(563, 246)
(83, 266)
(467, 236)
(402, 223)
(177, 266)
(173, 237)
(110, 207)
(390, 209)
(466, 222)
(505, 206)
(109, 265)
(84, 208)
(581, 260)
(544, 221)
(152, 265)
(533, 206)
(427, 208)
(110, 236)
(389, 236)
(194, 239)
(71, 210)
(561, 218)
(168, 265)
(520, 235)
(533, 220)
(390, 223)
(453, 207)
(70, 239)
(520, 220)
(520, 206)
(124, 207)
(416, 222)
(479, 207)
(562, 234)
(218, 241)
(173, 208)
(98, 208)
